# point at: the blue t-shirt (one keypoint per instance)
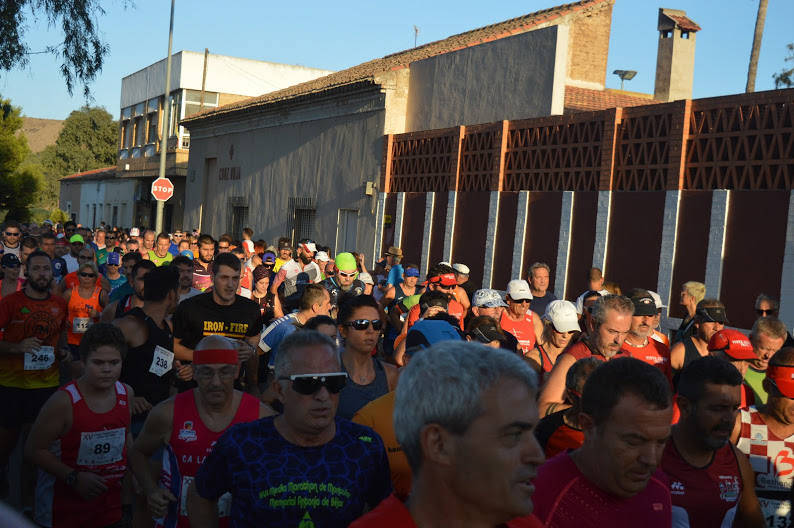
(275, 333)
(278, 484)
(395, 275)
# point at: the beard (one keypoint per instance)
(40, 284)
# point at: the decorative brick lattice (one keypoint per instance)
(480, 157)
(424, 161)
(741, 142)
(554, 154)
(642, 149)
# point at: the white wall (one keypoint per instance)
(105, 194)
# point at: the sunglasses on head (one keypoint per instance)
(87, 275)
(308, 384)
(363, 324)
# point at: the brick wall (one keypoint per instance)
(589, 46)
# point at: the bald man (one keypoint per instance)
(189, 424)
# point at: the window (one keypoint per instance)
(152, 136)
(685, 35)
(128, 134)
(124, 126)
(239, 219)
(140, 131)
(139, 109)
(126, 112)
(666, 33)
(173, 119)
(153, 105)
(347, 230)
(193, 101)
(303, 213)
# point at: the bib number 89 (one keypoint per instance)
(102, 449)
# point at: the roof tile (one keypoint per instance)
(585, 99)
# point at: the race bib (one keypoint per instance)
(101, 447)
(80, 325)
(161, 361)
(776, 512)
(40, 359)
(224, 501)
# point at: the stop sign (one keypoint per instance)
(162, 189)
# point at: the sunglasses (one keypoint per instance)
(9, 233)
(363, 324)
(308, 384)
(766, 312)
(450, 287)
(521, 301)
(346, 274)
(87, 275)
(81, 257)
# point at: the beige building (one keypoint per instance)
(306, 161)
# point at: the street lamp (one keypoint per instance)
(625, 75)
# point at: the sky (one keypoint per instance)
(338, 35)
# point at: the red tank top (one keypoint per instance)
(96, 443)
(704, 496)
(80, 314)
(523, 330)
(192, 441)
(653, 353)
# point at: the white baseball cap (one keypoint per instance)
(322, 256)
(135, 232)
(463, 269)
(657, 299)
(518, 289)
(562, 315)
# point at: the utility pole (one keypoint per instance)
(158, 226)
(204, 79)
(416, 35)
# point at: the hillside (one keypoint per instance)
(41, 132)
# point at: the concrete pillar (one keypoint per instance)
(449, 229)
(787, 277)
(664, 282)
(719, 217)
(430, 200)
(602, 230)
(490, 239)
(520, 236)
(563, 245)
(380, 215)
(398, 219)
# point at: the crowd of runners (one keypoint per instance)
(178, 379)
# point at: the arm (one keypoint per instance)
(104, 283)
(109, 313)
(155, 433)
(392, 373)
(181, 351)
(463, 299)
(551, 396)
(748, 510)
(252, 366)
(388, 297)
(677, 356)
(537, 322)
(203, 513)
(103, 299)
(278, 311)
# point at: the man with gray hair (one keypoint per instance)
(611, 319)
(304, 467)
(464, 416)
(538, 279)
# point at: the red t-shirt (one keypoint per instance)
(564, 498)
(653, 353)
(392, 513)
(523, 330)
(581, 350)
(455, 309)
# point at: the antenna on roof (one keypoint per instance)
(625, 75)
(416, 34)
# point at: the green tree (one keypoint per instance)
(82, 51)
(19, 181)
(785, 78)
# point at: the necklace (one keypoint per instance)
(637, 346)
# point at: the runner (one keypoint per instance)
(734, 347)
(76, 243)
(440, 277)
(657, 334)
(483, 330)
(202, 278)
(148, 242)
(345, 281)
(11, 281)
(596, 282)
(33, 345)
(462, 276)
(708, 319)
(188, 426)
(613, 480)
(483, 474)
(85, 303)
(12, 234)
(611, 320)
(112, 271)
(369, 378)
(308, 468)
(284, 253)
(128, 262)
(768, 335)
(638, 343)
(88, 420)
(766, 434)
(184, 265)
(560, 325)
(518, 319)
(58, 264)
(692, 293)
(99, 247)
(261, 294)
(538, 279)
(117, 309)
(391, 263)
(711, 482)
(71, 280)
(160, 254)
(561, 430)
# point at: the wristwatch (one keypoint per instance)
(71, 478)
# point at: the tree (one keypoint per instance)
(18, 182)
(82, 51)
(785, 78)
(760, 19)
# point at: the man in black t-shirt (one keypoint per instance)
(220, 312)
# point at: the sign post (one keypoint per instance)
(165, 123)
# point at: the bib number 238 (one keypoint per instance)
(162, 360)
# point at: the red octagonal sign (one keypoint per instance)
(162, 189)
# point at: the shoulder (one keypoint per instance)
(577, 351)
(351, 433)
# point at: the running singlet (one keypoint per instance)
(80, 314)
(191, 441)
(455, 309)
(160, 261)
(653, 353)
(772, 460)
(524, 330)
(278, 484)
(354, 396)
(705, 496)
(96, 443)
(22, 317)
(564, 498)
(71, 281)
(555, 436)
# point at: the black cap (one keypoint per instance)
(712, 314)
(9, 260)
(643, 302)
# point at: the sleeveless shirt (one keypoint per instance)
(80, 314)
(354, 396)
(136, 364)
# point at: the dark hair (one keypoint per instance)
(319, 320)
(439, 269)
(36, 253)
(226, 237)
(181, 259)
(205, 239)
(148, 265)
(132, 255)
(312, 294)
(49, 235)
(29, 242)
(102, 334)
(433, 298)
(238, 250)
(577, 375)
(225, 259)
(617, 377)
(163, 236)
(692, 380)
(349, 303)
(11, 223)
(69, 223)
(159, 282)
(248, 231)
(783, 357)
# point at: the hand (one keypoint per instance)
(433, 310)
(89, 485)
(27, 346)
(183, 372)
(244, 351)
(140, 405)
(158, 500)
(93, 313)
(64, 355)
(360, 258)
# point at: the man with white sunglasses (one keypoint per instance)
(304, 467)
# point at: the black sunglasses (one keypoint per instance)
(765, 312)
(88, 275)
(12, 234)
(363, 324)
(308, 384)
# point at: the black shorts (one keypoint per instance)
(21, 406)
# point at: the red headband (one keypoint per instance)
(215, 355)
(783, 377)
(446, 279)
